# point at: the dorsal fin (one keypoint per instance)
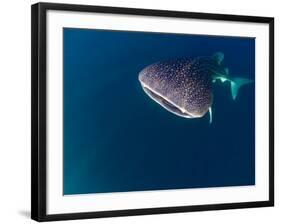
(218, 56)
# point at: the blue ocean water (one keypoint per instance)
(116, 139)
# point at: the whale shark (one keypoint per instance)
(184, 86)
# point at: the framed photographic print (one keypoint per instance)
(138, 111)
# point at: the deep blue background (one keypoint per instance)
(117, 139)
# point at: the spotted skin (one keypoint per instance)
(186, 83)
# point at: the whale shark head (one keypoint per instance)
(178, 86)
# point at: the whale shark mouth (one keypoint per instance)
(166, 103)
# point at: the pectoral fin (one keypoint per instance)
(211, 115)
(235, 84)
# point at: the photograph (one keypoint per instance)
(156, 111)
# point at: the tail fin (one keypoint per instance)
(236, 83)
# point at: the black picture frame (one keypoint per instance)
(38, 108)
